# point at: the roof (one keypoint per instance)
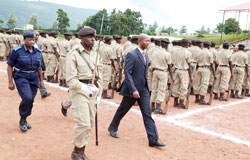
(242, 7)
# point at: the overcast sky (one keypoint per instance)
(176, 13)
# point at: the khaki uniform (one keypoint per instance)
(83, 106)
(223, 58)
(13, 42)
(43, 42)
(117, 50)
(51, 59)
(65, 47)
(7, 38)
(160, 61)
(248, 60)
(182, 57)
(202, 76)
(74, 41)
(195, 51)
(126, 44)
(151, 45)
(130, 48)
(239, 61)
(2, 45)
(107, 54)
(150, 68)
(214, 53)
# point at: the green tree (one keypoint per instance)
(11, 23)
(1, 22)
(34, 21)
(229, 27)
(183, 30)
(63, 20)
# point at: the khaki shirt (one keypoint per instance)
(2, 38)
(126, 44)
(51, 43)
(240, 59)
(223, 57)
(65, 47)
(248, 57)
(173, 52)
(182, 57)
(161, 59)
(118, 50)
(152, 51)
(12, 39)
(195, 51)
(107, 54)
(214, 52)
(7, 38)
(151, 45)
(130, 48)
(77, 69)
(42, 41)
(74, 42)
(204, 57)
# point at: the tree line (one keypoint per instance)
(124, 23)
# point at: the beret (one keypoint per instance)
(193, 41)
(42, 32)
(207, 43)
(134, 37)
(185, 41)
(166, 40)
(68, 34)
(118, 37)
(28, 34)
(198, 41)
(213, 43)
(107, 39)
(158, 39)
(225, 43)
(77, 33)
(87, 31)
(241, 45)
(53, 33)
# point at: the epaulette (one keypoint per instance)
(17, 48)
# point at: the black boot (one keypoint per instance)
(176, 101)
(22, 124)
(158, 109)
(202, 101)
(60, 82)
(222, 98)
(52, 80)
(181, 105)
(209, 89)
(77, 154)
(153, 107)
(237, 95)
(48, 78)
(64, 83)
(232, 95)
(215, 96)
(192, 91)
(197, 100)
(247, 93)
(83, 153)
(44, 78)
(105, 95)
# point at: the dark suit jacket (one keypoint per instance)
(135, 71)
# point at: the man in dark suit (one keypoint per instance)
(135, 88)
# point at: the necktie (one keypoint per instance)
(143, 55)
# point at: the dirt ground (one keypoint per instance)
(51, 135)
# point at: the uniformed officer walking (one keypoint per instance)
(80, 64)
(26, 62)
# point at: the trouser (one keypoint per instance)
(27, 91)
(180, 86)
(201, 81)
(83, 111)
(62, 68)
(7, 52)
(159, 86)
(193, 69)
(237, 79)
(248, 80)
(222, 79)
(113, 72)
(45, 58)
(144, 104)
(52, 62)
(211, 79)
(2, 49)
(106, 76)
(150, 76)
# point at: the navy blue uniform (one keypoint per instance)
(26, 76)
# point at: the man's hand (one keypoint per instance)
(11, 86)
(136, 94)
(41, 85)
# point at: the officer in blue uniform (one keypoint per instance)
(24, 66)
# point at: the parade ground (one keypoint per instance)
(216, 132)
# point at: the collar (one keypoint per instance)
(82, 49)
(26, 49)
(140, 49)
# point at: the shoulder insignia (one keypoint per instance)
(17, 48)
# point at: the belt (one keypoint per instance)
(88, 81)
(181, 69)
(159, 69)
(223, 66)
(194, 62)
(239, 66)
(106, 64)
(30, 71)
(204, 66)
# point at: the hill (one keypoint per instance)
(46, 12)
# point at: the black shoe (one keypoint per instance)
(46, 95)
(23, 126)
(156, 144)
(27, 125)
(113, 133)
(64, 112)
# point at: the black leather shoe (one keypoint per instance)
(64, 112)
(156, 144)
(113, 133)
(27, 125)
(23, 126)
(46, 95)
